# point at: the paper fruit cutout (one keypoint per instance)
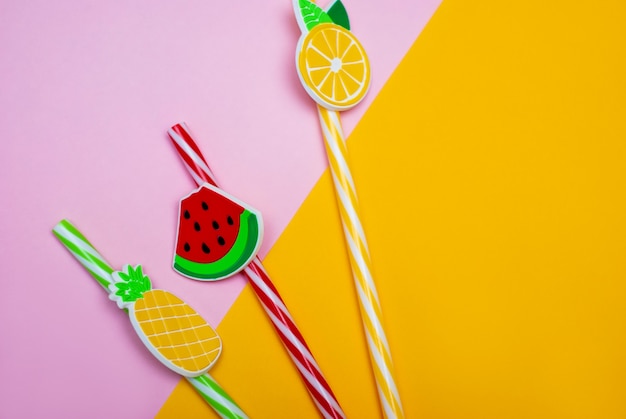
(218, 235)
(173, 331)
(332, 64)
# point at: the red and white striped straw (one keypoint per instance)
(265, 290)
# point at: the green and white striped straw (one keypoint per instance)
(215, 395)
(84, 252)
(101, 270)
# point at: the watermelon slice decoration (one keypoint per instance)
(218, 235)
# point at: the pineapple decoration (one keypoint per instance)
(173, 331)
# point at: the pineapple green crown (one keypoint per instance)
(128, 286)
(308, 14)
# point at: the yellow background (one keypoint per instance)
(491, 173)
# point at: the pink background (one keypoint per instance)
(87, 92)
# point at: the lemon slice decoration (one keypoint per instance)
(332, 64)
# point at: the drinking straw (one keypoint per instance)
(101, 271)
(266, 292)
(334, 70)
(371, 314)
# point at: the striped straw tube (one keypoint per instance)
(215, 396)
(100, 269)
(380, 356)
(270, 299)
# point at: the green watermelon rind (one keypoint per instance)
(240, 254)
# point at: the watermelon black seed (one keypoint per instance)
(221, 240)
(216, 225)
(205, 248)
(196, 226)
(205, 206)
(186, 215)
(229, 220)
(187, 247)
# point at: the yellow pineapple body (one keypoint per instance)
(175, 333)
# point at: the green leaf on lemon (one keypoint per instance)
(312, 14)
(338, 14)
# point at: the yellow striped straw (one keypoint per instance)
(334, 70)
(380, 356)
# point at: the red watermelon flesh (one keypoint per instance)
(208, 226)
